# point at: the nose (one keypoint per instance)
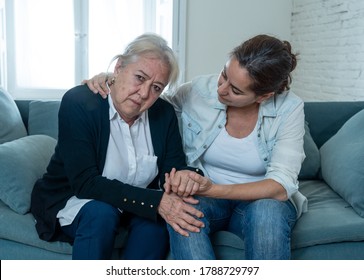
(144, 91)
(222, 88)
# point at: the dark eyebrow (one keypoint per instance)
(160, 83)
(234, 87)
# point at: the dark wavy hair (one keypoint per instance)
(268, 61)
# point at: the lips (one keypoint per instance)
(138, 103)
(221, 99)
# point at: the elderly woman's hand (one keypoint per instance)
(178, 212)
(98, 84)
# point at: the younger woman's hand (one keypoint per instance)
(181, 183)
(99, 84)
(204, 183)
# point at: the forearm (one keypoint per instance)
(249, 191)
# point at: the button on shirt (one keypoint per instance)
(129, 159)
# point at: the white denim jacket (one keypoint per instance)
(280, 130)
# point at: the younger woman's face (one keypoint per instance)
(234, 86)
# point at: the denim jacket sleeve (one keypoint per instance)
(281, 131)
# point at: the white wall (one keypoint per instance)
(329, 35)
(215, 27)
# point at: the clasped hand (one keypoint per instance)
(186, 183)
(176, 204)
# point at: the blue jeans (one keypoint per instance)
(263, 225)
(96, 225)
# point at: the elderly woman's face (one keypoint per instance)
(138, 85)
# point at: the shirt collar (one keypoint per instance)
(268, 107)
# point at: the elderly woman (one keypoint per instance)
(110, 161)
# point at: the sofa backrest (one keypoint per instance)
(40, 117)
(23, 106)
(326, 118)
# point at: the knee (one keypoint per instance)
(268, 208)
(271, 214)
(100, 215)
(147, 227)
(157, 230)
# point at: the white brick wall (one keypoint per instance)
(329, 36)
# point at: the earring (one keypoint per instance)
(111, 82)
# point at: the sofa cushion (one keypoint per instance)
(11, 124)
(318, 226)
(43, 118)
(311, 164)
(329, 218)
(326, 118)
(21, 228)
(22, 162)
(342, 158)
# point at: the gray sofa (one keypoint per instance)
(332, 178)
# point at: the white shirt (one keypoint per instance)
(130, 159)
(231, 160)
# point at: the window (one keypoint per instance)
(57, 43)
(2, 45)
